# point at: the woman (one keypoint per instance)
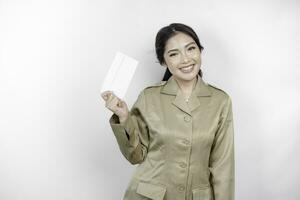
(179, 131)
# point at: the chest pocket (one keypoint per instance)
(151, 191)
(202, 194)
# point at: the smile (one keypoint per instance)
(187, 69)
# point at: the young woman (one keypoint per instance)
(179, 131)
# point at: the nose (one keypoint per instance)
(185, 58)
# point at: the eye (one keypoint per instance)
(173, 54)
(191, 48)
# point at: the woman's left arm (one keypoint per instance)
(222, 164)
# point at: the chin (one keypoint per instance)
(186, 77)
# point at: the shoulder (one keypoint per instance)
(149, 93)
(158, 84)
(219, 93)
(152, 91)
(153, 88)
(222, 99)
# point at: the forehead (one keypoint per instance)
(179, 40)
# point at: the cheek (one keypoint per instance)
(172, 63)
(171, 69)
(197, 57)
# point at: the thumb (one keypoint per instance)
(120, 103)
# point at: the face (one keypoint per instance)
(182, 57)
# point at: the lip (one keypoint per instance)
(186, 66)
(187, 69)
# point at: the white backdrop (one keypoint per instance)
(55, 139)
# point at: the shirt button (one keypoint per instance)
(180, 188)
(185, 141)
(187, 118)
(182, 165)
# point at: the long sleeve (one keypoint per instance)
(132, 135)
(222, 163)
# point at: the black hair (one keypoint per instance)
(166, 33)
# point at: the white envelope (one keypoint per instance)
(119, 75)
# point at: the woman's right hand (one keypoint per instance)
(116, 105)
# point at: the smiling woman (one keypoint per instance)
(178, 49)
(179, 131)
(182, 57)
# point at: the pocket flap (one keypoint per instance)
(151, 191)
(202, 193)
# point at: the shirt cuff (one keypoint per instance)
(122, 130)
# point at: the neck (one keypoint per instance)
(187, 86)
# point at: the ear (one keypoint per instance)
(164, 65)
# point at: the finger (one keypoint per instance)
(111, 96)
(112, 102)
(105, 95)
(120, 104)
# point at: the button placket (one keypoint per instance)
(187, 118)
(182, 165)
(185, 141)
(180, 188)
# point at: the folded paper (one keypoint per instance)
(119, 75)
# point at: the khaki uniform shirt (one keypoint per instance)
(184, 150)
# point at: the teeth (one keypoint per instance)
(187, 69)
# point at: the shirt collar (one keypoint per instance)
(201, 88)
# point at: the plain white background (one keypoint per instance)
(55, 139)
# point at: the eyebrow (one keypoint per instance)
(185, 46)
